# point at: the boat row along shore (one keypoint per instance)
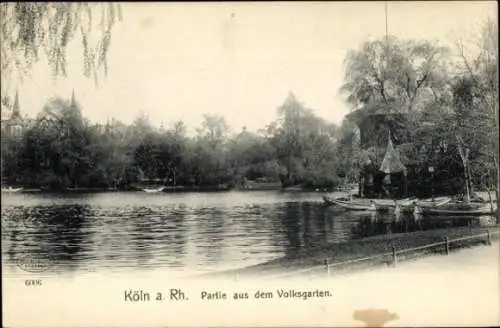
(446, 205)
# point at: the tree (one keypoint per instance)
(12, 147)
(479, 90)
(179, 148)
(29, 29)
(211, 150)
(112, 154)
(394, 72)
(251, 157)
(140, 129)
(287, 136)
(395, 85)
(304, 144)
(214, 129)
(243, 152)
(57, 149)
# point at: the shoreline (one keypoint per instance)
(165, 190)
(342, 255)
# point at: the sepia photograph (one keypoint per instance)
(237, 164)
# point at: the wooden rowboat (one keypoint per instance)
(385, 205)
(458, 210)
(332, 201)
(153, 190)
(425, 203)
(328, 200)
(10, 189)
(351, 205)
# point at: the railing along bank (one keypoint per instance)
(327, 267)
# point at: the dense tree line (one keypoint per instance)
(62, 149)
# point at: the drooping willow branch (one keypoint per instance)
(28, 29)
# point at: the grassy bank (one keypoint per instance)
(367, 247)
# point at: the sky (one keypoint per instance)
(178, 61)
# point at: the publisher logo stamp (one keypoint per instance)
(35, 262)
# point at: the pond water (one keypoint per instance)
(182, 232)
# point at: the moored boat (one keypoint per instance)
(10, 189)
(331, 200)
(384, 205)
(458, 209)
(350, 189)
(354, 205)
(424, 203)
(328, 200)
(154, 190)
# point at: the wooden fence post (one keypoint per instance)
(488, 240)
(447, 245)
(394, 256)
(327, 267)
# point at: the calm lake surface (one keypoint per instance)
(183, 232)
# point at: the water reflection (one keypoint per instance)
(376, 224)
(54, 230)
(200, 232)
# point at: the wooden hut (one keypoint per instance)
(382, 172)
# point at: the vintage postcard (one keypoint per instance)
(248, 164)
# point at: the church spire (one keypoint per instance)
(16, 112)
(73, 101)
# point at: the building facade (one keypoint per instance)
(13, 124)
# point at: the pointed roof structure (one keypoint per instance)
(16, 112)
(392, 160)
